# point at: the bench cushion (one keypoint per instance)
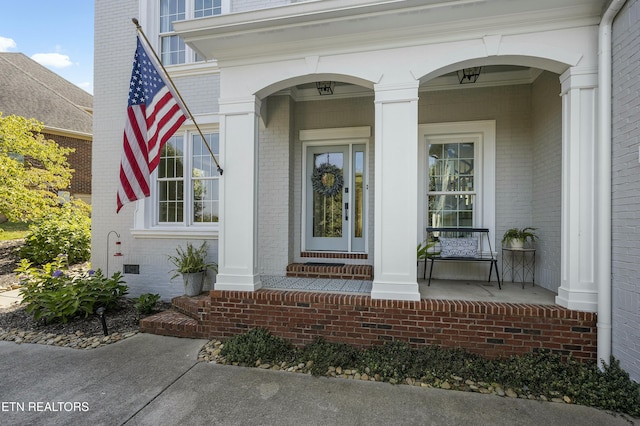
(459, 247)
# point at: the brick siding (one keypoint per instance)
(80, 161)
(625, 200)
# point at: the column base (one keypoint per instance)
(238, 282)
(395, 291)
(586, 301)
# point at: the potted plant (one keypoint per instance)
(191, 263)
(517, 237)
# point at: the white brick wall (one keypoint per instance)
(274, 202)
(547, 177)
(114, 48)
(528, 154)
(625, 189)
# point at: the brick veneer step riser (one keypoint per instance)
(345, 272)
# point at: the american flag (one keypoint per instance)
(154, 114)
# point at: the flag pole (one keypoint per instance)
(139, 28)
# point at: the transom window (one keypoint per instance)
(172, 48)
(187, 181)
(452, 188)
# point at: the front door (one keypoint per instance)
(335, 198)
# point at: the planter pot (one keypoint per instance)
(516, 243)
(193, 283)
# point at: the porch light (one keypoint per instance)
(469, 75)
(325, 87)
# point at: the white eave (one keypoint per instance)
(323, 27)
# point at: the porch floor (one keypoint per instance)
(481, 291)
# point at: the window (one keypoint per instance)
(451, 183)
(172, 48)
(187, 181)
(457, 175)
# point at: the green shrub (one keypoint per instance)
(68, 232)
(328, 354)
(535, 374)
(257, 345)
(146, 303)
(52, 294)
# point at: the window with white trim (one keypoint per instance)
(187, 192)
(172, 48)
(452, 189)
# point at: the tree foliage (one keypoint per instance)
(32, 169)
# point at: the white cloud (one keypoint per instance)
(54, 60)
(6, 44)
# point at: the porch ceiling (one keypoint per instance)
(340, 26)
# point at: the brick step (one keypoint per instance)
(193, 307)
(318, 270)
(171, 323)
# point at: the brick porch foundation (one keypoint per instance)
(489, 329)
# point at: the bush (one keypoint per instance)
(146, 303)
(257, 345)
(534, 374)
(327, 354)
(52, 294)
(68, 232)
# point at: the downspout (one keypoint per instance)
(603, 182)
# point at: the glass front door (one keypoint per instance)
(335, 198)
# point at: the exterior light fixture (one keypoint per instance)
(325, 87)
(469, 75)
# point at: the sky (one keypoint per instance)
(56, 34)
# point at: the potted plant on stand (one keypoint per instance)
(517, 237)
(191, 263)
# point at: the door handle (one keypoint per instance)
(346, 211)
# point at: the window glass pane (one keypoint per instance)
(359, 193)
(205, 200)
(171, 10)
(172, 50)
(204, 174)
(171, 160)
(451, 179)
(171, 201)
(207, 8)
(202, 162)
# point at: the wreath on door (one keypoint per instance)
(327, 180)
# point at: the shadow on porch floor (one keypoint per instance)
(481, 291)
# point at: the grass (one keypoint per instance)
(13, 230)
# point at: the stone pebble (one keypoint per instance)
(77, 340)
(210, 352)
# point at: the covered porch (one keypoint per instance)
(467, 290)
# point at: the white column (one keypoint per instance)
(579, 262)
(238, 244)
(396, 191)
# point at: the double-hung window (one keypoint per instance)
(452, 188)
(187, 181)
(172, 48)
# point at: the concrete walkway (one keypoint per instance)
(155, 380)
(8, 298)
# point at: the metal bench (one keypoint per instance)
(461, 244)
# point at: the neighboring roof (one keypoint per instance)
(30, 90)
